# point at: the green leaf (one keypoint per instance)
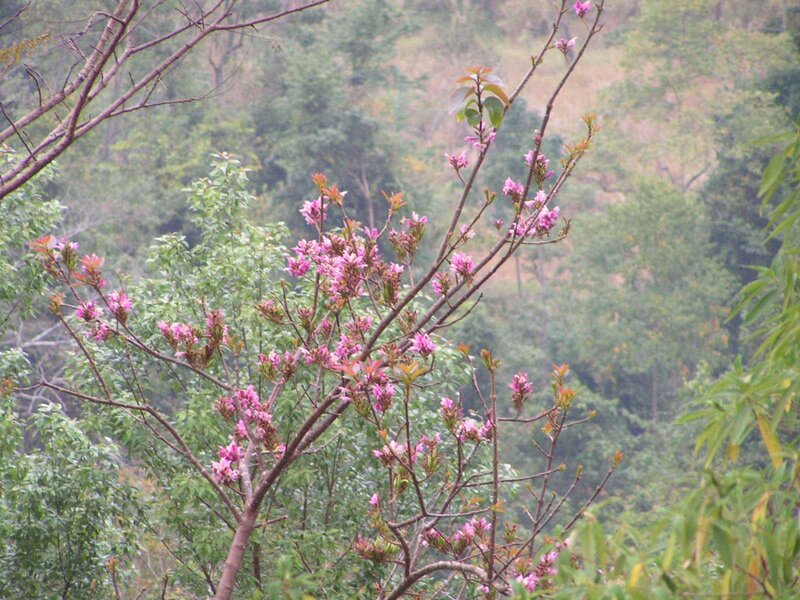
(497, 91)
(473, 117)
(496, 110)
(772, 177)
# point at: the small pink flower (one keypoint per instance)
(102, 333)
(462, 264)
(441, 283)
(565, 45)
(423, 345)
(513, 189)
(223, 472)
(581, 8)
(547, 218)
(232, 452)
(88, 311)
(521, 388)
(314, 212)
(120, 305)
(383, 396)
(482, 138)
(298, 266)
(457, 162)
(529, 581)
(375, 500)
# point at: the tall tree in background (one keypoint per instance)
(328, 109)
(648, 298)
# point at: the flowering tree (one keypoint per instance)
(353, 331)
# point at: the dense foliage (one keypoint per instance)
(678, 318)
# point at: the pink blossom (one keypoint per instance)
(466, 232)
(65, 246)
(393, 452)
(416, 225)
(513, 189)
(462, 264)
(223, 472)
(423, 345)
(521, 388)
(346, 347)
(441, 283)
(482, 138)
(457, 162)
(359, 326)
(120, 305)
(529, 158)
(375, 500)
(90, 270)
(529, 581)
(298, 266)
(240, 431)
(547, 218)
(565, 45)
(581, 8)
(384, 393)
(314, 212)
(470, 429)
(102, 332)
(231, 453)
(216, 329)
(88, 311)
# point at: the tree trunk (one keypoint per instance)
(233, 564)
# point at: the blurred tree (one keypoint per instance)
(647, 298)
(349, 134)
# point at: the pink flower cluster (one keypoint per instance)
(482, 137)
(472, 430)
(254, 419)
(541, 170)
(394, 453)
(521, 389)
(457, 162)
(423, 345)
(462, 265)
(120, 305)
(314, 212)
(474, 531)
(565, 45)
(441, 283)
(275, 367)
(465, 429)
(539, 578)
(346, 263)
(406, 241)
(88, 311)
(513, 189)
(223, 470)
(536, 220)
(581, 8)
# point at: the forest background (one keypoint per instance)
(667, 226)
